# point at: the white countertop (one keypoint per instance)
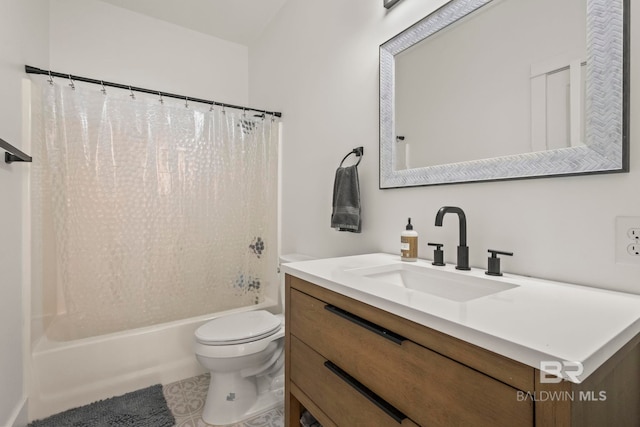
(535, 321)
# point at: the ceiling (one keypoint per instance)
(239, 21)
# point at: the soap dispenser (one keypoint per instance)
(409, 243)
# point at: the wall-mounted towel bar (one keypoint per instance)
(358, 151)
(13, 154)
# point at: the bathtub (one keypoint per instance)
(68, 374)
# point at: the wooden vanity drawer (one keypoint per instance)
(341, 400)
(403, 372)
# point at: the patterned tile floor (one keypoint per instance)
(186, 400)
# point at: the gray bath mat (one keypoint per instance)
(141, 408)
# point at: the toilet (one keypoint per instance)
(244, 353)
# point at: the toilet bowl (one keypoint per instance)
(244, 353)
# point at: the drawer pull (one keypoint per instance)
(391, 336)
(373, 398)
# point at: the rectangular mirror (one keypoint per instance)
(485, 90)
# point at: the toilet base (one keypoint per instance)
(232, 399)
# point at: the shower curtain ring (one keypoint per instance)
(103, 90)
(212, 104)
(223, 110)
(71, 84)
(161, 100)
(50, 78)
(186, 102)
(133, 96)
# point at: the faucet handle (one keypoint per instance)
(494, 262)
(438, 254)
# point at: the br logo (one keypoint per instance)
(552, 371)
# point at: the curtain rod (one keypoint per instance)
(33, 70)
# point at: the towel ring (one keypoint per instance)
(359, 152)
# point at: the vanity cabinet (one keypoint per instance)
(351, 364)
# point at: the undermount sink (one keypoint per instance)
(455, 286)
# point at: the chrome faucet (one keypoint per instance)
(463, 249)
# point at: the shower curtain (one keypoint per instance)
(149, 210)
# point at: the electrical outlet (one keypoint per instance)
(627, 240)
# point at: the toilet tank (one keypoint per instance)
(286, 259)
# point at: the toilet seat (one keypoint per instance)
(238, 328)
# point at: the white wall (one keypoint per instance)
(318, 64)
(23, 31)
(94, 39)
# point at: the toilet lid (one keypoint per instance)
(238, 328)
